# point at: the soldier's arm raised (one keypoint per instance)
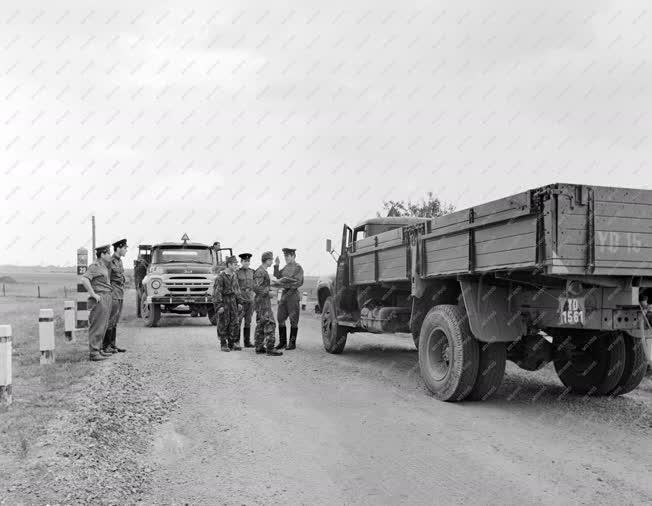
(278, 273)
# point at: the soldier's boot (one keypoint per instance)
(261, 349)
(273, 352)
(115, 348)
(293, 338)
(223, 344)
(282, 338)
(235, 345)
(246, 333)
(106, 342)
(97, 357)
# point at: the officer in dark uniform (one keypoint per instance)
(290, 278)
(228, 304)
(140, 271)
(117, 276)
(97, 284)
(264, 335)
(246, 282)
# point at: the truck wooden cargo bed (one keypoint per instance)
(559, 229)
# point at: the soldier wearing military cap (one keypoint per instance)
(117, 277)
(228, 300)
(245, 276)
(97, 282)
(290, 278)
(265, 325)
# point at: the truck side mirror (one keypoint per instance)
(328, 246)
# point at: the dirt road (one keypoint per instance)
(314, 428)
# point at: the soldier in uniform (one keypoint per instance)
(290, 278)
(228, 304)
(117, 277)
(97, 283)
(246, 282)
(140, 271)
(264, 335)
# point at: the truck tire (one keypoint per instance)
(596, 364)
(151, 312)
(635, 366)
(332, 334)
(448, 353)
(491, 370)
(212, 315)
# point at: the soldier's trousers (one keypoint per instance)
(227, 322)
(289, 306)
(98, 320)
(114, 318)
(265, 324)
(245, 315)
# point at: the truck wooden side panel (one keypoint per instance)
(382, 257)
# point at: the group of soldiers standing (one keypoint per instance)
(239, 291)
(104, 281)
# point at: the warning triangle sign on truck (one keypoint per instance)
(185, 238)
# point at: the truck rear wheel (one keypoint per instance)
(635, 365)
(151, 312)
(332, 334)
(593, 364)
(491, 370)
(448, 353)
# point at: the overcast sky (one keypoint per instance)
(264, 125)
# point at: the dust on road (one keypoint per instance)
(360, 428)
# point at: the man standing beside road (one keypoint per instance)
(246, 282)
(290, 279)
(265, 326)
(97, 284)
(228, 304)
(117, 277)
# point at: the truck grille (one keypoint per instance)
(187, 284)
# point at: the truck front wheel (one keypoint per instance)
(151, 312)
(332, 334)
(448, 353)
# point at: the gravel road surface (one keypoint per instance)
(360, 428)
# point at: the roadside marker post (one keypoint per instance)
(69, 320)
(82, 295)
(278, 295)
(5, 365)
(304, 301)
(46, 336)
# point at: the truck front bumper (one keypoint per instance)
(172, 300)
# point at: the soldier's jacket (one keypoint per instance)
(226, 285)
(246, 282)
(117, 276)
(98, 274)
(290, 276)
(261, 285)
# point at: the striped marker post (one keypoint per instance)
(304, 301)
(46, 336)
(278, 295)
(82, 295)
(69, 320)
(5, 365)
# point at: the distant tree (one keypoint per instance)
(429, 207)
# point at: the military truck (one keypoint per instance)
(180, 280)
(560, 273)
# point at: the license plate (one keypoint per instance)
(571, 311)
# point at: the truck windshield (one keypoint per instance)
(167, 255)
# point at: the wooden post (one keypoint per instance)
(82, 295)
(69, 320)
(3, 290)
(38, 287)
(304, 301)
(5, 365)
(46, 336)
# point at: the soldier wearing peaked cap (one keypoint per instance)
(265, 325)
(245, 276)
(290, 278)
(117, 277)
(228, 300)
(98, 285)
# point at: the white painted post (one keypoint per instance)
(278, 295)
(5, 365)
(46, 336)
(82, 294)
(304, 301)
(69, 320)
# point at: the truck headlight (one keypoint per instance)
(156, 283)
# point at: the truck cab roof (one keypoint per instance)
(181, 245)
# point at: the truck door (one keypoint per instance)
(342, 277)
